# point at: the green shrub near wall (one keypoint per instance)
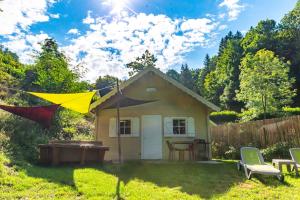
(224, 116)
(278, 150)
(291, 111)
(227, 116)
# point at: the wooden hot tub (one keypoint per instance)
(57, 152)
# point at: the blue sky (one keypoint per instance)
(101, 36)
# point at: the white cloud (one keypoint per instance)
(55, 16)
(234, 8)
(89, 19)
(111, 43)
(18, 15)
(25, 45)
(223, 27)
(222, 16)
(74, 31)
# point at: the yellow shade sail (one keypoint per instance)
(79, 102)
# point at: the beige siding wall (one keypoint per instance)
(171, 102)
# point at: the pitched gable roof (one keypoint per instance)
(163, 76)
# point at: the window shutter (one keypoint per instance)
(168, 126)
(135, 126)
(112, 127)
(191, 126)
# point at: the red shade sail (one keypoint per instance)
(40, 114)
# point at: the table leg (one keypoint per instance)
(181, 155)
(280, 167)
(288, 167)
(296, 169)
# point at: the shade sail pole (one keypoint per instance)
(118, 125)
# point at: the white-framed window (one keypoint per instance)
(179, 126)
(125, 127)
(129, 127)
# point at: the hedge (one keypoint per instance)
(224, 116)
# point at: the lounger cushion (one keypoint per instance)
(251, 157)
(296, 154)
(264, 169)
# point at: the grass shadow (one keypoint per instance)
(56, 174)
(271, 181)
(203, 180)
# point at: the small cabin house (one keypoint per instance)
(171, 112)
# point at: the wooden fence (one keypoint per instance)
(261, 133)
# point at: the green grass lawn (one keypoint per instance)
(137, 180)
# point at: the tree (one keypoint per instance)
(230, 61)
(140, 63)
(173, 74)
(213, 87)
(222, 78)
(203, 73)
(262, 36)
(186, 77)
(51, 72)
(265, 84)
(288, 44)
(104, 83)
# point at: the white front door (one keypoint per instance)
(151, 137)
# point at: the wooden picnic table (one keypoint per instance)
(182, 150)
(288, 163)
(190, 147)
(183, 142)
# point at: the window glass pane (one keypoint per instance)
(127, 123)
(175, 122)
(127, 131)
(125, 127)
(179, 126)
(182, 130)
(182, 122)
(175, 130)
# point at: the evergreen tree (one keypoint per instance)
(173, 74)
(105, 84)
(262, 36)
(231, 59)
(186, 77)
(202, 74)
(140, 63)
(289, 45)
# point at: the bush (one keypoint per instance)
(3, 162)
(272, 115)
(291, 111)
(224, 116)
(217, 150)
(250, 115)
(19, 137)
(232, 153)
(279, 150)
(221, 151)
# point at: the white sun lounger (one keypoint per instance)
(295, 154)
(253, 163)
